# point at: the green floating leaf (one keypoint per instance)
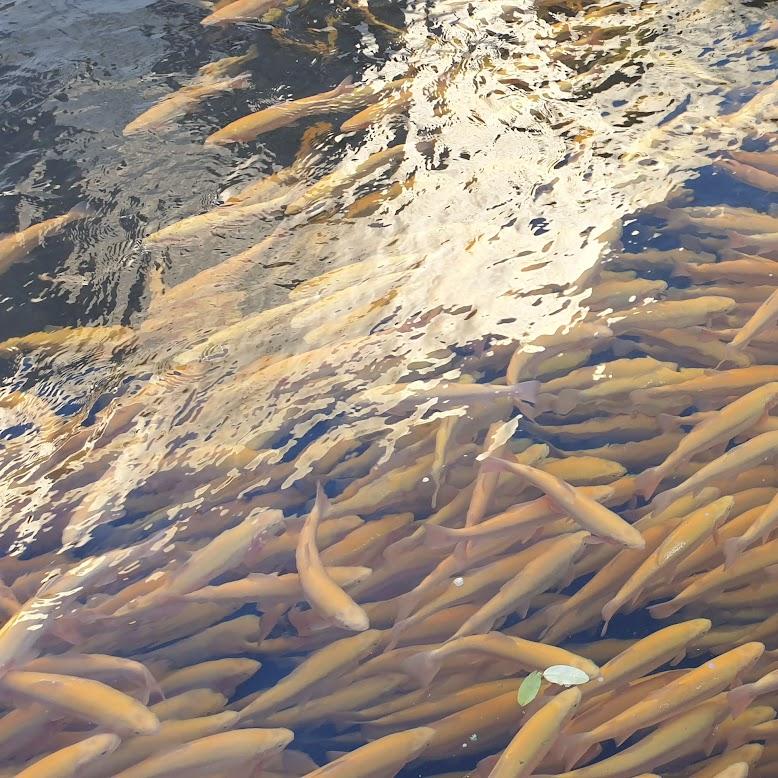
(564, 675)
(529, 688)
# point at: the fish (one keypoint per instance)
(669, 313)
(393, 105)
(588, 513)
(338, 702)
(345, 176)
(170, 734)
(691, 688)
(385, 756)
(525, 653)
(324, 663)
(203, 757)
(715, 580)
(344, 97)
(227, 66)
(582, 335)
(241, 11)
(189, 705)
(421, 709)
(646, 655)
(223, 675)
(761, 529)
(537, 736)
(323, 593)
(17, 246)
(48, 608)
(752, 176)
(752, 452)
(70, 760)
(85, 699)
(223, 217)
(268, 589)
(183, 102)
(681, 541)
(99, 667)
(520, 522)
(766, 160)
(537, 576)
(764, 317)
(223, 553)
(676, 738)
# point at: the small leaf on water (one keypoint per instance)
(564, 675)
(529, 688)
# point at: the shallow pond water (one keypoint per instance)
(535, 232)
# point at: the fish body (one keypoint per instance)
(646, 655)
(536, 736)
(241, 11)
(537, 576)
(753, 176)
(669, 313)
(182, 102)
(754, 451)
(340, 179)
(589, 514)
(764, 317)
(496, 645)
(680, 542)
(170, 734)
(18, 245)
(226, 66)
(85, 699)
(343, 97)
(676, 738)
(321, 591)
(68, 762)
(324, 663)
(203, 757)
(385, 756)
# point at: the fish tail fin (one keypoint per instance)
(494, 465)
(663, 610)
(566, 401)
(270, 618)
(345, 86)
(609, 610)
(423, 667)
(152, 685)
(526, 391)
(740, 698)
(574, 746)
(395, 633)
(82, 210)
(461, 552)
(322, 502)
(732, 550)
(646, 483)
(436, 536)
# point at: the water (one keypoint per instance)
(540, 144)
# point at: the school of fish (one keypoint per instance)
(602, 497)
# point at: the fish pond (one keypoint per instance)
(388, 388)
